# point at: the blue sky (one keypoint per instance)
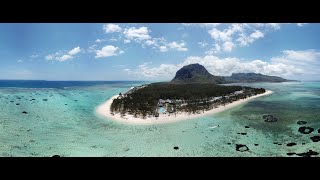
(155, 51)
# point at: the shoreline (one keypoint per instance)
(104, 111)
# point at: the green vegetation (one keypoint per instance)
(191, 98)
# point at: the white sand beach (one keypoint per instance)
(104, 111)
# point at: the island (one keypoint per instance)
(193, 92)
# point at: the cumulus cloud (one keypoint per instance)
(227, 46)
(142, 35)
(178, 46)
(301, 24)
(137, 34)
(233, 35)
(49, 57)
(111, 28)
(64, 57)
(163, 49)
(20, 61)
(202, 24)
(126, 41)
(98, 41)
(74, 51)
(246, 40)
(108, 51)
(309, 59)
(61, 56)
(275, 26)
(225, 37)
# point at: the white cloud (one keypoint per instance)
(142, 36)
(306, 58)
(137, 34)
(64, 58)
(257, 34)
(111, 28)
(203, 44)
(98, 41)
(240, 34)
(108, 51)
(178, 46)
(126, 41)
(227, 46)
(214, 50)
(20, 61)
(221, 35)
(301, 24)
(217, 47)
(61, 56)
(49, 57)
(246, 40)
(127, 70)
(210, 24)
(202, 24)
(224, 37)
(150, 42)
(74, 51)
(163, 49)
(275, 26)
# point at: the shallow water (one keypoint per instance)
(63, 121)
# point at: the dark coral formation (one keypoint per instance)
(302, 122)
(305, 130)
(242, 133)
(291, 144)
(241, 147)
(308, 154)
(315, 138)
(269, 118)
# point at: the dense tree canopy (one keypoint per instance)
(197, 97)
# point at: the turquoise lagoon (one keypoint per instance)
(62, 120)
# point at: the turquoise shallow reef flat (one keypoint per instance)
(62, 120)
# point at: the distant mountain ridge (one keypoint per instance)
(253, 77)
(196, 73)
